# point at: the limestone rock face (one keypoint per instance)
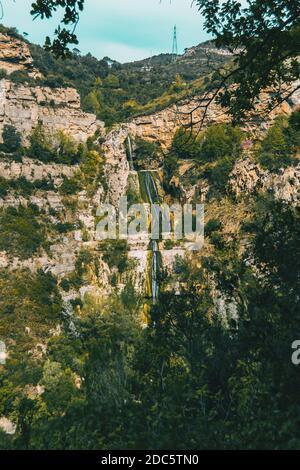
(162, 125)
(33, 170)
(24, 106)
(286, 186)
(15, 55)
(57, 109)
(248, 177)
(117, 166)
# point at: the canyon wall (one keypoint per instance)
(15, 56)
(57, 109)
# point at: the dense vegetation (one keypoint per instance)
(280, 147)
(214, 152)
(187, 381)
(115, 92)
(89, 374)
(21, 234)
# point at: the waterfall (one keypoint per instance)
(152, 198)
(155, 271)
(130, 153)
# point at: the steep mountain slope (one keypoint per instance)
(115, 91)
(73, 308)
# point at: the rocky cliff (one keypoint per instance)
(15, 56)
(57, 109)
(23, 107)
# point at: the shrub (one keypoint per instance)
(213, 225)
(40, 145)
(91, 166)
(275, 141)
(216, 142)
(219, 141)
(4, 187)
(66, 150)
(170, 166)
(185, 144)
(64, 227)
(170, 170)
(12, 141)
(218, 174)
(70, 186)
(273, 162)
(57, 148)
(115, 254)
(292, 132)
(24, 187)
(146, 152)
(3, 74)
(280, 145)
(20, 233)
(21, 77)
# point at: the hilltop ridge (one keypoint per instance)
(116, 92)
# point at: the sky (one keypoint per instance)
(124, 30)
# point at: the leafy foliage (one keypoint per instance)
(12, 142)
(64, 35)
(20, 232)
(58, 148)
(115, 254)
(281, 145)
(216, 142)
(170, 385)
(21, 186)
(147, 154)
(265, 38)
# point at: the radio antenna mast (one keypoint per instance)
(175, 45)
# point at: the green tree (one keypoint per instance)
(64, 36)
(265, 38)
(12, 141)
(219, 141)
(275, 140)
(40, 145)
(21, 234)
(115, 254)
(279, 147)
(111, 81)
(185, 144)
(58, 147)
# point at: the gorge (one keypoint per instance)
(119, 343)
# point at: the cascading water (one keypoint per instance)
(153, 198)
(130, 153)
